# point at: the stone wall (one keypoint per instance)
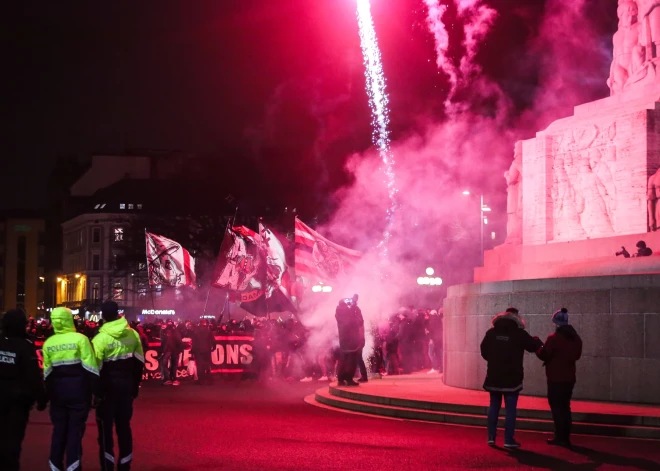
(618, 318)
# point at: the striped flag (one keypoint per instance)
(168, 262)
(318, 259)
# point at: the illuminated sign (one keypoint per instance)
(158, 312)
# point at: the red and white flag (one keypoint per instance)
(168, 262)
(276, 269)
(318, 259)
(239, 264)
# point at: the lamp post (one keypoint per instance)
(482, 220)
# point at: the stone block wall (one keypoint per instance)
(618, 318)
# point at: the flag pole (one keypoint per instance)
(229, 224)
(151, 290)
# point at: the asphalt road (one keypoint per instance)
(247, 426)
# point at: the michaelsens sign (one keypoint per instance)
(233, 354)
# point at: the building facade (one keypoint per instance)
(95, 256)
(22, 254)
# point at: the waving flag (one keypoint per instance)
(276, 271)
(239, 264)
(318, 259)
(168, 262)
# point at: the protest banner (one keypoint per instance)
(233, 354)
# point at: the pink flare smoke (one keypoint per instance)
(439, 31)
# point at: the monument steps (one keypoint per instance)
(610, 425)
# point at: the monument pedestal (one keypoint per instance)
(569, 259)
(618, 318)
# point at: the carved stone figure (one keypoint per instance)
(591, 201)
(629, 51)
(649, 13)
(652, 196)
(514, 206)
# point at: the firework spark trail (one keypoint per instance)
(378, 102)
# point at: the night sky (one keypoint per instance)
(275, 83)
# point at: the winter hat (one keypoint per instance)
(110, 311)
(14, 323)
(560, 317)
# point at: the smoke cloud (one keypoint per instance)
(470, 148)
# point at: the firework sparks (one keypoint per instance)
(378, 102)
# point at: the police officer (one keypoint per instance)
(119, 353)
(21, 385)
(71, 379)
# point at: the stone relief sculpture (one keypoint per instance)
(653, 195)
(636, 45)
(514, 206)
(583, 190)
(629, 53)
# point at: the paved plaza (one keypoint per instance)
(244, 426)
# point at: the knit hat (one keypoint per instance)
(560, 317)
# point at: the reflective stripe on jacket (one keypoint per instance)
(117, 341)
(67, 347)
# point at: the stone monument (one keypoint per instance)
(577, 192)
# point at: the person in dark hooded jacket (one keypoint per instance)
(559, 354)
(503, 348)
(21, 384)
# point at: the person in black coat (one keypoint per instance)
(203, 345)
(503, 348)
(21, 384)
(350, 326)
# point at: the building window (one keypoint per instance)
(122, 206)
(117, 291)
(130, 206)
(95, 292)
(119, 234)
(142, 266)
(20, 271)
(96, 235)
(139, 206)
(96, 262)
(142, 289)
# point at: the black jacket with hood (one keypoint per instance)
(503, 348)
(21, 381)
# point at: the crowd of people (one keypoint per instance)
(409, 341)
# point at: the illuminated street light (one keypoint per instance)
(429, 281)
(430, 271)
(59, 279)
(321, 288)
(466, 193)
(77, 275)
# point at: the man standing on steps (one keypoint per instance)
(503, 348)
(559, 354)
(350, 325)
(118, 350)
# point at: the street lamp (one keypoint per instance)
(482, 220)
